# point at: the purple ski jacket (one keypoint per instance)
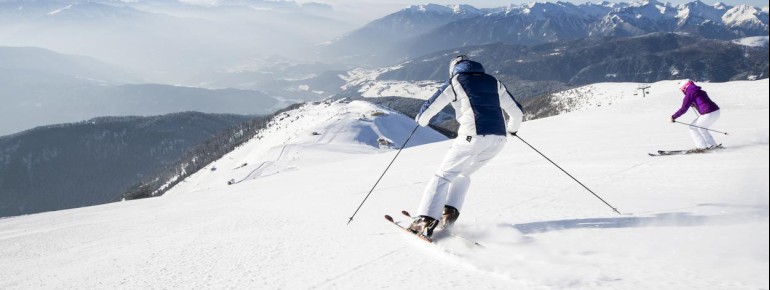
(695, 97)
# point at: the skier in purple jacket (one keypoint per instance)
(708, 113)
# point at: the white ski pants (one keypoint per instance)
(702, 137)
(450, 183)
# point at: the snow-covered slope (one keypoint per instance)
(755, 41)
(365, 83)
(316, 133)
(689, 222)
(404, 89)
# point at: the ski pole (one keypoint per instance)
(720, 132)
(570, 175)
(383, 173)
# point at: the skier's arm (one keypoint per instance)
(686, 103)
(511, 107)
(438, 101)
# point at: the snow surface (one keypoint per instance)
(313, 134)
(689, 222)
(366, 83)
(405, 89)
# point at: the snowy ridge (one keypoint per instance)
(701, 11)
(602, 94)
(745, 16)
(755, 41)
(359, 76)
(312, 134)
(443, 9)
(365, 82)
(405, 89)
(689, 222)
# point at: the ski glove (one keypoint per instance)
(513, 133)
(672, 119)
(422, 123)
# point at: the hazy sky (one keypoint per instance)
(373, 9)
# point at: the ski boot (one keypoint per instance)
(423, 225)
(449, 216)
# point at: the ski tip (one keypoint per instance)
(406, 213)
(389, 218)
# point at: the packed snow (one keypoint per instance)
(688, 222)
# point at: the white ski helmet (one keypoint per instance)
(454, 62)
(684, 84)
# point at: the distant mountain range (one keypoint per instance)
(41, 87)
(76, 66)
(93, 162)
(169, 41)
(648, 58)
(432, 27)
(373, 39)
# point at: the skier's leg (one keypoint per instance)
(435, 195)
(459, 187)
(697, 137)
(457, 190)
(706, 121)
(495, 144)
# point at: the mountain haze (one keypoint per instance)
(42, 87)
(93, 162)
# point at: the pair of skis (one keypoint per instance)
(436, 236)
(683, 152)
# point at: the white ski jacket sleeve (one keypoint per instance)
(434, 105)
(511, 107)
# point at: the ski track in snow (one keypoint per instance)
(688, 222)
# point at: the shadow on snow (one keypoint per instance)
(672, 219)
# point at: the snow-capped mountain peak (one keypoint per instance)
(652, 10)
(422, 29)
(436, 9)
(542, 8)
(465, 9)
(700, 11)
(745, 16)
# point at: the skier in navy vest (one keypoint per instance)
(479, 100)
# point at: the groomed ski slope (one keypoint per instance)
(689, 222)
